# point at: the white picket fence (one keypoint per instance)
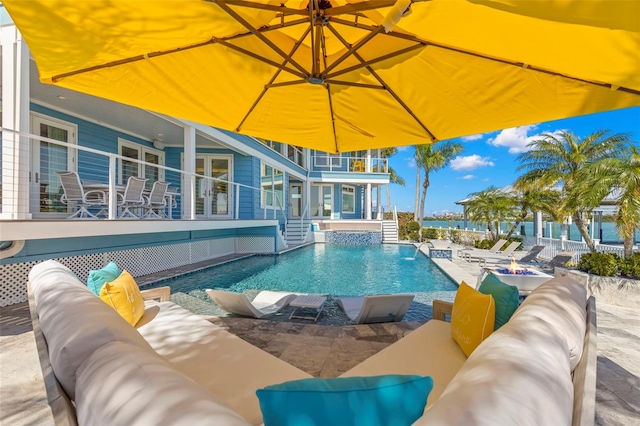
(553, 246)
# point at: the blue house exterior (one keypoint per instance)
(228, 193)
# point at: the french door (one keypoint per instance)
(321, 201)
(295, 200)
(214, 196)
(47, 158)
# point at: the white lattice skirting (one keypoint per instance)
(140, 261)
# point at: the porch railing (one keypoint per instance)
(553, 246)
(96, 167)
(348, 164)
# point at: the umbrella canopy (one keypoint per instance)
(340, 75)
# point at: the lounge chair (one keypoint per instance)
(532, 255)
(381, 308)
(265, 303)
(497, 246)
(482, 258)
(559, 259)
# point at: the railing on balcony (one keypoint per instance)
(335, 163)
(210, 197)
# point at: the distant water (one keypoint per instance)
(609, 229)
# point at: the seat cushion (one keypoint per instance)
(472, 317)
(427, 351)
(221, 362)
(74, 321)
(121, 384)
(518, 376)
(506, 297)
(123, 295)
(98, 278)
(563, 303)
(348, 401)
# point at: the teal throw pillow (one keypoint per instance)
(105, 275)
(371, 401)
(505, 296)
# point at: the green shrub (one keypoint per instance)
(604, 264)
(630, 267)
(455, 236)
(413, 235)
(413, 226)
(484, 244)
(430, 233)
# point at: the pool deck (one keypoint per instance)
(328, 351)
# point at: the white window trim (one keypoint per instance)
(263, 197)
(353, 194)
(141, 151)
(329, 157)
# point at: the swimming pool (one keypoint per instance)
(328, 270)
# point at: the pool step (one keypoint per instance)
(296, 232)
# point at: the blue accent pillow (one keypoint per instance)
(371, 401)
(505, 296)
(98, 278)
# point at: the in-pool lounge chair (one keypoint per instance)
(265, 303)
(381, 308)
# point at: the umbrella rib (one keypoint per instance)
(268, 28)
(260, 36)
(272, 8)
(353, 49)
(333, 119)
(349, 83)
(359, 7)
(385, 85)
(261, 58)
(479, 55)
(268, 85)
(375, 60)
(284, 83)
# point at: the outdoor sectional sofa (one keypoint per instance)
(175, 367)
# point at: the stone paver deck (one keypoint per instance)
(328, 351)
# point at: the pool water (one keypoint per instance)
(331, 270)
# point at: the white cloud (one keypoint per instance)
(470, 162)
(402, 148)
(516, 138)
(472, 137)
(485, 180)
(467, 177)
(411, 162)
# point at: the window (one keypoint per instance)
(348, 199)
(138, 152)
(272, 184)
(324, 159)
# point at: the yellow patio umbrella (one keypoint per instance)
(340, 75)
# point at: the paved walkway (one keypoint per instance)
(327, 351)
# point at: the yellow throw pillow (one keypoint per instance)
(123, 295)
(472, 318)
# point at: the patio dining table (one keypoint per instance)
(99, 186)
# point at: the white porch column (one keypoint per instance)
(367, 202)
(15, 116)
(378, 205)
(189, 188)
(537, 222)
(367, 162)
(464, 216)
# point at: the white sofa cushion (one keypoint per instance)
(518, 376)
(563, 303)
(427, 351)
(74, 321)
(122, 384)
(221, 362)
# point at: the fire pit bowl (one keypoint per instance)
(523, 278)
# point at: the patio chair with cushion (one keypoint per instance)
(75, 193)
(380, 308)
(265, 303)
(132, 197)
(155, 203)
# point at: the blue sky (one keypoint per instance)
(491, 159)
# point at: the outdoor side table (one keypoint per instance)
(305, 303)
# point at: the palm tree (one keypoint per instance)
(565, 159)
(534, 200)
(491, 206)
(433, 157)
(394, 177)
(621, 178)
